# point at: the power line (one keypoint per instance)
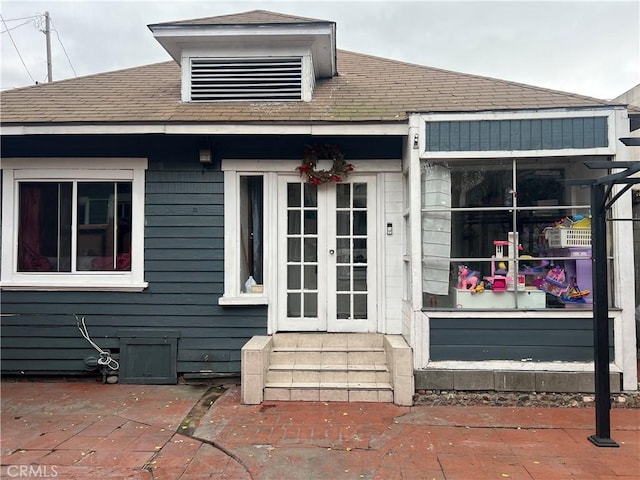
(65, 52)
(17, 26)
(18, 19)
(16, 47)
(38, 20)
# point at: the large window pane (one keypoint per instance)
(44, 227)
(103, 231)
(481, 184)
(104, 226)
(515, 214)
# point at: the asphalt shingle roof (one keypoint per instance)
(367, 89)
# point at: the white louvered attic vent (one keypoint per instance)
(255, 80)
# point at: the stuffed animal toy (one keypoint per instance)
(467, 279)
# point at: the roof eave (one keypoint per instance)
(365, 127)
(320, 36)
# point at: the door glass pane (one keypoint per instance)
(343, 279)
(343, 307)
(343, 254)
(311, 277)
(359, 250)
(293, 249)
(342, 223)
(293, 222)
(293, 194)
(310, 195)
(343, 195)
(293, 305)
(360, 195)
(360, 223)
(360, 306)
(310, 249)
(310, 222)
(360, 279)
(293, 277)
(311, 305)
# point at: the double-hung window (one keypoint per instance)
(73, 224)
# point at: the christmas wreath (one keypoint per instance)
(339, 169)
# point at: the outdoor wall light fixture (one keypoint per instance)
(205, 156)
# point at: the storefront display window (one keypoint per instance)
(506, 233)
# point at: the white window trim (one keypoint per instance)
(269, 170)
(233, 294)
(78, 169)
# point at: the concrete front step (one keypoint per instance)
(327, 367)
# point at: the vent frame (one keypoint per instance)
(246, 79)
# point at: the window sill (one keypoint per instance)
(13, 286)
(246, 299)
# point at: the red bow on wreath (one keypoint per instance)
(339, 169)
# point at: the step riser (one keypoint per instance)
(328, 395)
(328, 358)
(328, 340)
(306, 376)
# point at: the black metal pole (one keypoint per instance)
(602, 438)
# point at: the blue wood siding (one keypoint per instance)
(184, 257)
(521, 339)
(184, 265)
(507, 135)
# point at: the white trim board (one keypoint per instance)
(338, 129)
(289, 166)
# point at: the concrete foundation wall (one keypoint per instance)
(510, 381)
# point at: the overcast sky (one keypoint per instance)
(586, 47)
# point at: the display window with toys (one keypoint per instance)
(506, 234)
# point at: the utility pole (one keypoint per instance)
(47, 34)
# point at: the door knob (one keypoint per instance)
(332, 251)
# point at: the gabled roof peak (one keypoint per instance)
(256, 51)
(253, 17)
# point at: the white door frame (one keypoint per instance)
(326, 264)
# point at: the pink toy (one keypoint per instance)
(557, 274)
(467, 279)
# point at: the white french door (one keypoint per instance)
(326, 255)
